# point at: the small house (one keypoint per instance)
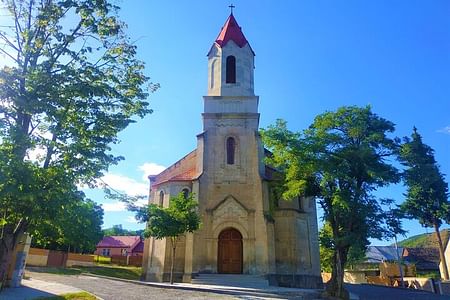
(120, 245)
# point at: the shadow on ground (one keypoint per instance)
(23, 293)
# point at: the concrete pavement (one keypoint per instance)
(34, 288)
(114, 288)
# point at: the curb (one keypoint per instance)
(233, 292)
(94, 295)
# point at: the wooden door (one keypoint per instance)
(230, 252)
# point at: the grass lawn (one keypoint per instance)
(133, 273)
(102, 259)
(71, 296)
(125, 272)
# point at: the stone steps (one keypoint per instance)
(234, 280)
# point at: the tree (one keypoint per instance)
(356, 252)
(172, 222)
(118, 230)
(427, 192)
(340, 159)
(71, 84)
(77, 228)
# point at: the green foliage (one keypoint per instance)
(77, 228)
(425, 240)
(429, 274)
(102, 259)
(427, 192)
(71, 84)
(180, 217)
(170, 222)
(117, 230)
(71, 296)
(340, 159)
(356, 253)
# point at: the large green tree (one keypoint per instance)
(70, 84)
(340, 159)
(77, 228)
(170, 222)
(427, 191)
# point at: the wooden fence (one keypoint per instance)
(127, 260)
(50, 258)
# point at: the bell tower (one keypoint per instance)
(230, 63)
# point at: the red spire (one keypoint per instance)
(231, 31)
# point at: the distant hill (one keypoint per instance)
(426, 240)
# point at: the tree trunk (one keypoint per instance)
(8, 241)
(441, 251)
(174, 244)
(335, 287)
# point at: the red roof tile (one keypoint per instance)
(182, 170)
(128, 241)
(231, 32)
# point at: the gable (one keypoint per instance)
(182, 170)
(230, 208)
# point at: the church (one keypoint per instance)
(244, 229)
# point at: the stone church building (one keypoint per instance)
(244, 230)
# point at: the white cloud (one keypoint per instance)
(131, 219)
(125, 184)
(150, 169)
(116, 206)
(445, 129)
(128, 185)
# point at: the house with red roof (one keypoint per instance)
(120, 245)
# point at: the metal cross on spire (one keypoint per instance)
(231, 6)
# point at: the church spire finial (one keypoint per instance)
(231, 6)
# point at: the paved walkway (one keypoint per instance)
(35, 288)
(124, 289)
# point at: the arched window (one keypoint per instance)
(231, 69)
(161, 198)
(185, 193)
(213, 66)
(231, 149)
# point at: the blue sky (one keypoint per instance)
(311, 56)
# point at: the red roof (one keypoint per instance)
(127, 241)
(182, 170)
(231, 31)
(139, 248)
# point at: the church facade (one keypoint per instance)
(244, 230)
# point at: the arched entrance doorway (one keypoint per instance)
(229, 260)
